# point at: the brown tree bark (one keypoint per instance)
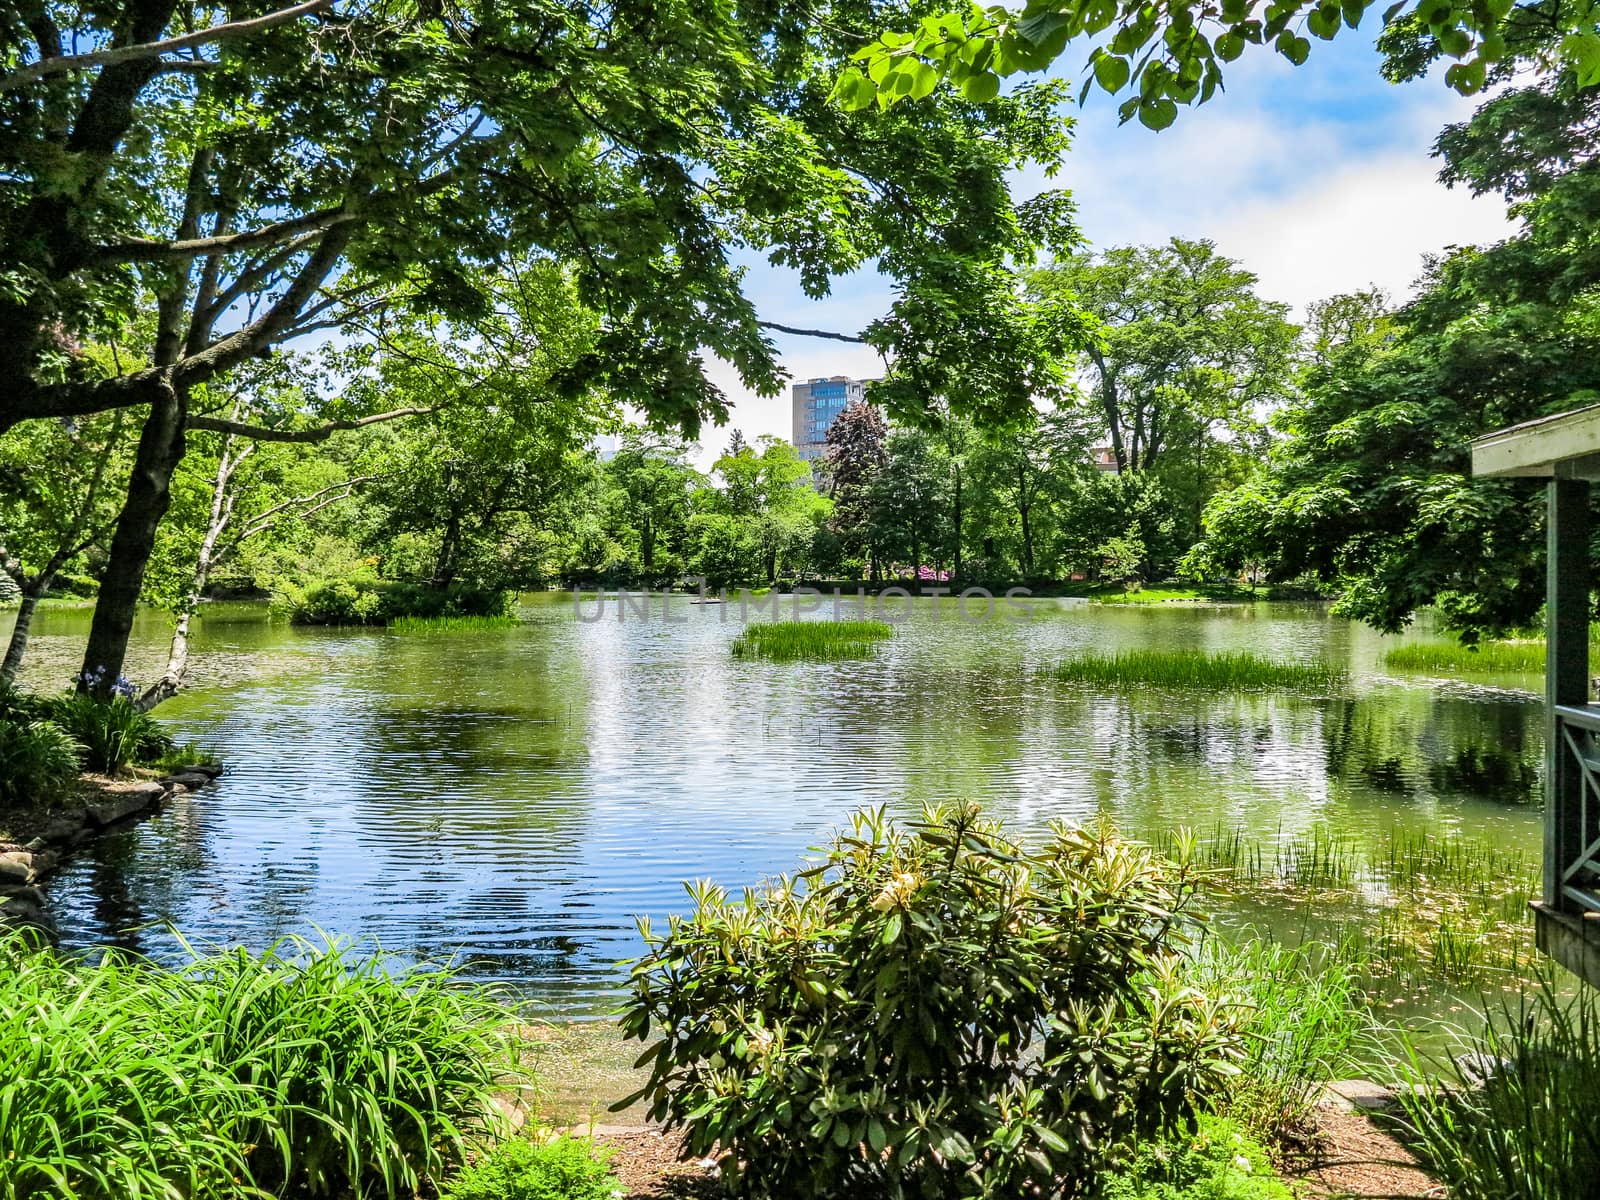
(161, 447)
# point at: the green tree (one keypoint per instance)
(651, 489)
(1370, 488)
(907, 505)
(57, 500)
(855, 455)
(195, 165)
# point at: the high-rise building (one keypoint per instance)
(816, 403)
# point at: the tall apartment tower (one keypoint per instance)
(816, 403)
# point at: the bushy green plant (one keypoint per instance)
(933, 1010)
(18, 705)
(1305, 1021)
(1514, 1118)
(563, 1169)
(1220, 1161)
(181, 755)
(38, 761)
(364, 599)
(112, 733)
(304, 1071)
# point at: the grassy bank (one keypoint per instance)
(1229, 671)
(785, 641)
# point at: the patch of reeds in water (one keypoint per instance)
(785, 641)
(435, 625)
(1225, 671)
(1488, 658)
(1418, 910)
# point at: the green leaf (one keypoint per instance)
(981, 87)
(1229, 46)
(877, 1136)
(891, 930)
(1111, 72)
(1157, 113)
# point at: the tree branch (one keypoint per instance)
(816, 333)
(147, 250)
(121, 54)
(321, 433)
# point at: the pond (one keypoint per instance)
(514, 798)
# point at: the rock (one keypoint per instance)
(1356, 1095)
(1477, 1068)
(209, 770)
(122, 800)
(16, 867)
(66, 826)
(24, 902)
(188, 779)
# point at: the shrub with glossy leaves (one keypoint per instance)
(932, 1011)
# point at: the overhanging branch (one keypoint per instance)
(321, 433)
(816, 333)
(121, 54)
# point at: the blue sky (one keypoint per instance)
(1318, 178)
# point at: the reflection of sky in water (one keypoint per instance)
(516, 797)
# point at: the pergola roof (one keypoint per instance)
(1565, 446)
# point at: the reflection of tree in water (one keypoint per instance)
(1416, 742)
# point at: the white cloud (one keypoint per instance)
(1318, 179)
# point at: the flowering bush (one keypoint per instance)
(110, 733)
(932, 1011)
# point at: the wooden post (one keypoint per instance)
(1566, 672)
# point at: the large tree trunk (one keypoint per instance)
(161, 447)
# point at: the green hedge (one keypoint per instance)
(378, 601)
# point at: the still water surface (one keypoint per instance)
(515, 798)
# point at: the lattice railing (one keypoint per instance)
(1578, 765)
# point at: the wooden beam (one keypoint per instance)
(1572, 940)
(1534, 448)
(1566, 672)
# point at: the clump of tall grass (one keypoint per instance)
(1227, 671)
(307, 1071)
(1514, 1118)
(1487, 658)
(112, 733)
(1306, 1021)
(788, 640)
(38, 761)
(457, 624)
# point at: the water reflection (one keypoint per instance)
(515, 798)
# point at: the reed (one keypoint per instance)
(1487, 658)
(459, 624)
(1514, 1118)
(784, 641)
(1226, 671)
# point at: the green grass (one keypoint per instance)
(1489, 658)
(786, 641)
(433, 625)
(1228, 671)
(1306, 1022)
(1159, 595)
(184, 754)
(564, 1168)
(308, 1071)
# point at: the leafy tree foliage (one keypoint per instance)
(1174, 54)
(1371, 488)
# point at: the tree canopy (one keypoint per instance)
(1174, 54)
(267, 174)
